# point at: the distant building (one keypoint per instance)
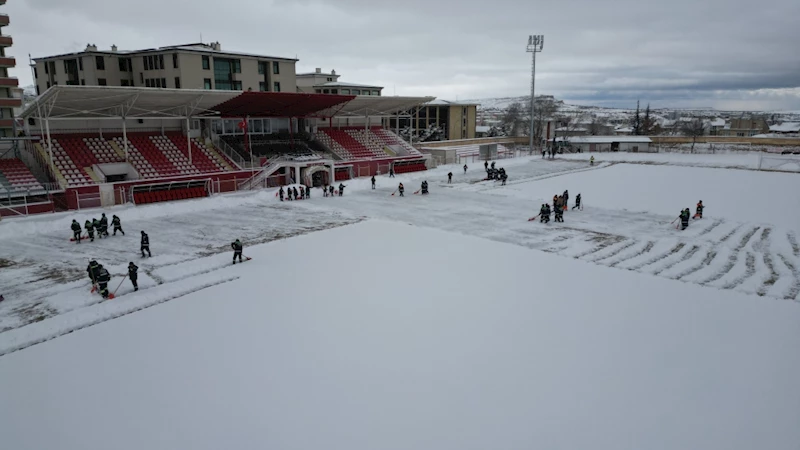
(190, 66)
(10, 94)
(586, 144)
(744, 127)
(320, 82)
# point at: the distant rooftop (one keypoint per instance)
(348, 85)
(440, 102)
(212, 48)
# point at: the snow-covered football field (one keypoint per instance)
(445, 321)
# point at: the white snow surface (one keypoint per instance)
(443, 321)
(435, 340)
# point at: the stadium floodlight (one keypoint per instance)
(535, 45)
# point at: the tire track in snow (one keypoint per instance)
(711, 228)
(731, 233)
(793, 242)
(686, 256)
(734, 255)
(750, 270)
(710, 255)
(794, 289)
(647, 248)
(763, 246)
(616, 251)
(637, 250)
(657, 258)
(604, 242)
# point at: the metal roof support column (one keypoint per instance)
(125, 138)
(49, 145)
(188, 140)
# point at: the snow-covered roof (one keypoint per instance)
(347, 85)
(606, 139)
(624, 129)
(440, 102)
(482, 128)
(786, 127)
(718, 122)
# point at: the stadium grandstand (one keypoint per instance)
(90, 146)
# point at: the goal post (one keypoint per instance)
(779, 163)
(363, 171)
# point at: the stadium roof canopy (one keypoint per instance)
(375, 106)
(282, 104)
(112, 102)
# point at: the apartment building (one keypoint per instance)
(190, 66)
(10, 97)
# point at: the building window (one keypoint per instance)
(237, 66)
(161, 62)
(141, 77)
(80, 64)
(124, 83)
(236, 85)
(48, 85)
(101, 62)
(83, 82)
(207, 83)
(326, 91)
(38, 90)
(356, 92)
(334, 91)
(206, 63)
(318, 91)
(276, 69)
(262, 67)
(177, 82)
(101, 82)
(174, 60)
(163, 82)
(46, 70)
(330, 79)
(145, 63)
(262, 86)
(147, 82)
(345, 91)
(276, 86)
(376, 92)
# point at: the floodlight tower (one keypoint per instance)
(535, 44)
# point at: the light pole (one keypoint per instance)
(535, 44)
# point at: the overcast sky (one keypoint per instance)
(726, 54)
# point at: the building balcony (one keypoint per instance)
(6, 61)
(6, 41)
(10, 102)
(9, 82)
(3, 19)
(6, 123)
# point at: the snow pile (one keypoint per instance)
(474, 345)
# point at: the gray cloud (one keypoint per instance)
(730, 54)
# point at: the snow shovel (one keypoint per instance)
(113, 294)
(395, 191)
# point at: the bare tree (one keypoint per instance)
(545, 111)
(595, 127)
(513, 118)
(694, 128)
